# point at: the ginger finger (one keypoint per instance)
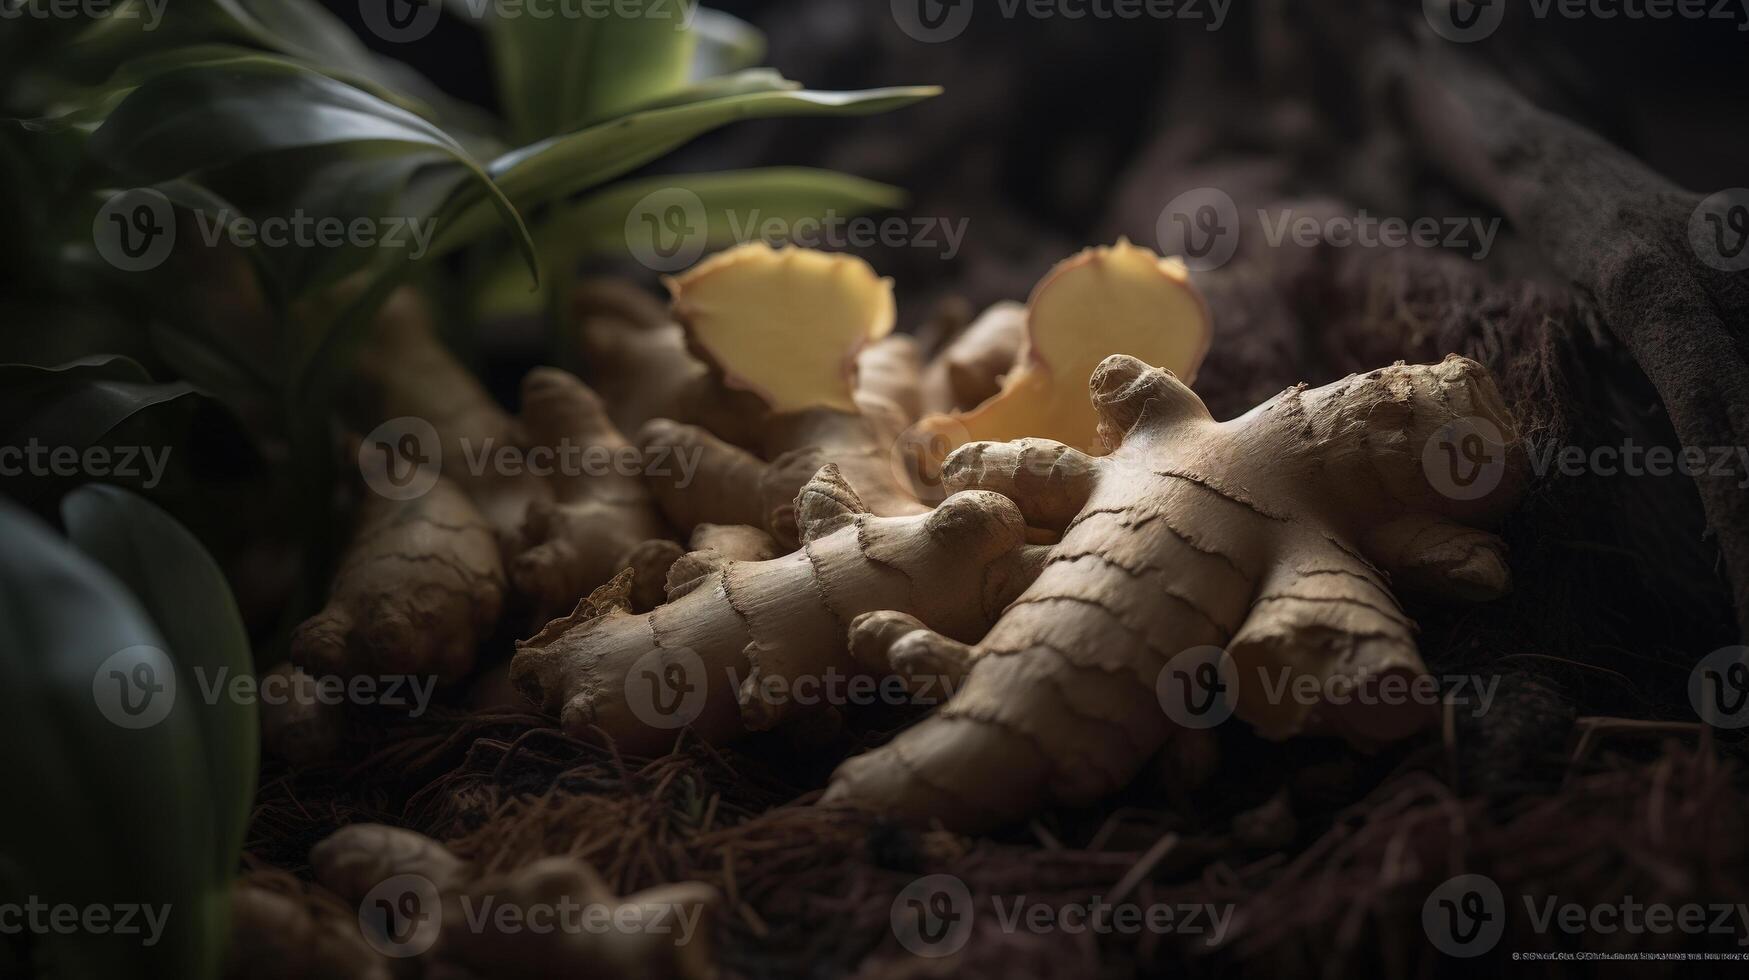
(601, 518)
(420, 584)
(722, 653)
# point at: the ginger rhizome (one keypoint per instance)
(423, 581)
(662, 932)
(738, 635)
(419, 586)
(286, 929)
(1275, 536)
(562, 533)
(1117, 299)
(808, 334)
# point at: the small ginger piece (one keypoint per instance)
(1117, 299)
(286, 929)
(297, 725)
(736, 636)
(557, 905)
(785, 323)
(1274, 536)
(419, 586)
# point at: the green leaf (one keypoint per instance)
(201, 118)
(75, 405)
(183, 589)
(726, 43)
(115, 815)
(736, 204)
(556, 168)
(558, 73)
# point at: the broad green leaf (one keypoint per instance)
(586, 62)
(198, 119)
(115, 814)
(556, 168)
(183, 589)
(737, 205)
(726, 43)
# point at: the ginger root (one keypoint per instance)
(1118, 299)
(286, 929)
(418, 587)
(540, 920)
(1274, 535)
(807, 331)
(560, 533)
(728, 648)
(784, 323)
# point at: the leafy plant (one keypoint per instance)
(142, 785)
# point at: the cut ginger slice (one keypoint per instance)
(1118, 299)
(785, 323)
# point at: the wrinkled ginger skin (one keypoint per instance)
(1253, 535)
(559, 534)
(596, 522)
(784, 618)
(419, 586)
